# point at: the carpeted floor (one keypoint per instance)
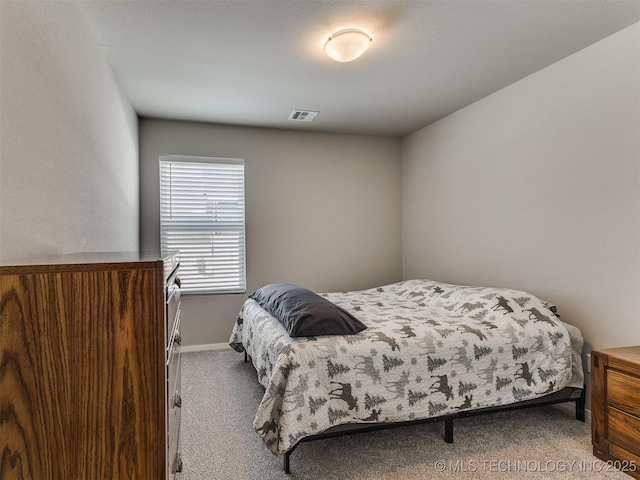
(221, 394)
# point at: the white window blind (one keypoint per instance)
(202, 216)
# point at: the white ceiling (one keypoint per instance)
(251, 62)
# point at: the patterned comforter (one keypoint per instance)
(430, 349)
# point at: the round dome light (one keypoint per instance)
(347, 45)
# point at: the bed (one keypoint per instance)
(429, 351)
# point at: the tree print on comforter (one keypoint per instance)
(430, 349)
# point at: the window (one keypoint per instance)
(202, 215)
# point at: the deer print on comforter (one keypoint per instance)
(430, 349)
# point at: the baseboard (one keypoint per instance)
(204, 348)
(570, 409)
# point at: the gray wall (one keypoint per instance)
(322, 210)
(68, 138)
(537, 187)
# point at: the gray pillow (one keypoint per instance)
(304, 313)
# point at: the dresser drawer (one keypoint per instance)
(175, 409)
(174, 414)
(175, 464)
(171, 263)
(173, 368)
(172, 307)
(623, 391)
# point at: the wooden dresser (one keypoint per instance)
(90, 368)
(615, 407)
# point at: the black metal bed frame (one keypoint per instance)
(568, 394)
(565, 395)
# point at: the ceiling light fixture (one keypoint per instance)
(347, 45)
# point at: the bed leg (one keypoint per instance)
(580, 404)
(287, 455)
(287, 466)
(448, 430)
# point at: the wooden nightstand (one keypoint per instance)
(615, 407)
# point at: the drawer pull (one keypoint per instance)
(178, 339)
(178, 462)
(177, 401)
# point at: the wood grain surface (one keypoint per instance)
(615, 407)
(82, 374)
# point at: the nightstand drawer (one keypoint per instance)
(623, 429)
(623, 392)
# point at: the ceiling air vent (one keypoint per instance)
(303, 115)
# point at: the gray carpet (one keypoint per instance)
(221, 394)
